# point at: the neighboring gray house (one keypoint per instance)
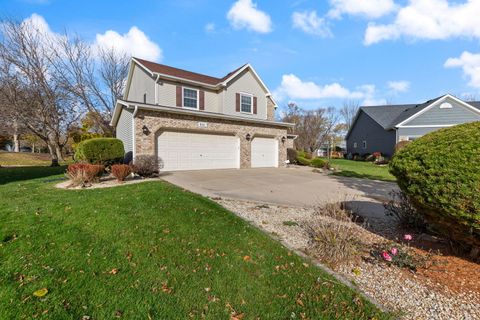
(379, 128)
(191, 121)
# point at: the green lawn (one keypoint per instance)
(24, 159)
(148, 251)
(361, 169)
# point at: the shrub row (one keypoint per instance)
(305, 159)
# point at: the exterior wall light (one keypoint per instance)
(283, 139)
(145, 130)
(248, 137)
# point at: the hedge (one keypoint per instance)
(440, 173)
(319, 163)
(106, 151)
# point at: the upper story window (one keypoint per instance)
(246, 102)
(190, 98)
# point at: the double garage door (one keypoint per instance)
(197, 151)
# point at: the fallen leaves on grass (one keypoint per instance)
(246, 258)
(114, 271)
(166, 288)
(40, 292)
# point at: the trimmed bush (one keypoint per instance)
(304, 154)
(105, 151)
(440, 174)
(82, 174)
(320, 163)
(121, 171)
(303, 161)
(292, 155)
(401, 144)
(145, 165)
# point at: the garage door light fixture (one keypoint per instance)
(283, 139)
(145, 130)
(248, 137)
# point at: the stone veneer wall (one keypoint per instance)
(158, 121)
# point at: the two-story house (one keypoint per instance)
(192, 121)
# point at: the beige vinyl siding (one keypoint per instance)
(247, 83)
(167, 95)
(141, 83)
(124, 129)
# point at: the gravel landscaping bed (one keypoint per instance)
(411, 295)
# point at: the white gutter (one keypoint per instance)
(204, 114)
(156, 88)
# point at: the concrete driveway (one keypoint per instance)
(294, 186)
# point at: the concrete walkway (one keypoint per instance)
(294, 186)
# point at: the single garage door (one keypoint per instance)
(264, 152)
(196, 151)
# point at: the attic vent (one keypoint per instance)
(446, 105)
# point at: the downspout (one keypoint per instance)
(133, 132)
(156, 88)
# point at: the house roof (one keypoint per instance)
(184, 74)
(388, 116)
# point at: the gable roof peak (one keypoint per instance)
(163, 69)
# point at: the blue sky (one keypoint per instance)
(317, 53)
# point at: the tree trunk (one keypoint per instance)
(54, 156)
(16, 143)
(58, 151)
(33, 147)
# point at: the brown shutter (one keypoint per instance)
(201, 104)
(237, 102)
(254, 105)
(179, 96)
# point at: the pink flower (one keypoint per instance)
(386, 256)
(394, 251)
(408, 237)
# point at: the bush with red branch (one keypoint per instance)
(121, 171)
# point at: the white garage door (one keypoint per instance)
(195, 151)
(264, 152)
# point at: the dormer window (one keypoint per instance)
(190, 98)
(246, 102)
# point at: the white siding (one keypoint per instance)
(245, 82)
(124, 130)
(142, 83)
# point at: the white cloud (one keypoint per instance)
(135, 42)
(210, 27)
(470, 64)
(365, 8)
(292, 87)
(399, 86)
(309, 22)
(429, 19)
(244, 15)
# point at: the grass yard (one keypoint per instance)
(149, 251)
(24, 159)
(361, 169)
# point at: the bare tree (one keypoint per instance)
(349, 111)
(313, 127)
(95, 76)
(32, 87)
